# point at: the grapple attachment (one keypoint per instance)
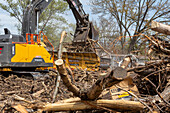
(81, 34)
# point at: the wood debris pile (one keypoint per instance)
(26, 90)
(153, 82)
(153, 78)
(91, 91)
(36, 93)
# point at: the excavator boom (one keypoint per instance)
(84, 28)
(31, 15)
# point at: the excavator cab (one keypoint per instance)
(31, 50)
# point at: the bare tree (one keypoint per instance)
(108, 31)
(132, 14)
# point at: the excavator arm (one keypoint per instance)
(84, 28)
(31, 15)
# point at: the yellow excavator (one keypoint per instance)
(32, 51)
(26, 52)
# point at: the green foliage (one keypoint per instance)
(52, 23)
(70, 31)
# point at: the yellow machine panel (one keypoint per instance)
(27, 52)
(89, 61)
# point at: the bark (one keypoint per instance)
(120, 105)
(63, 34)
(116, 76)
(161, 28)
(66, 80)
(132, 43)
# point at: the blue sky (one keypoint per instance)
(9, 22)
(86, 7)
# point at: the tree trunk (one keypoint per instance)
(66, 80)
(132, 43)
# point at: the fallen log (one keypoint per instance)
(114, 77)
(119, 105)
(161, 28)
(70, 100)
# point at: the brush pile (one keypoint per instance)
(91, 91)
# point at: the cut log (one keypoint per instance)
(161, 28)
(116, 76)
(64, 76)
(126, 62)
(119, 105)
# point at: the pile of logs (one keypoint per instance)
(161, 28)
